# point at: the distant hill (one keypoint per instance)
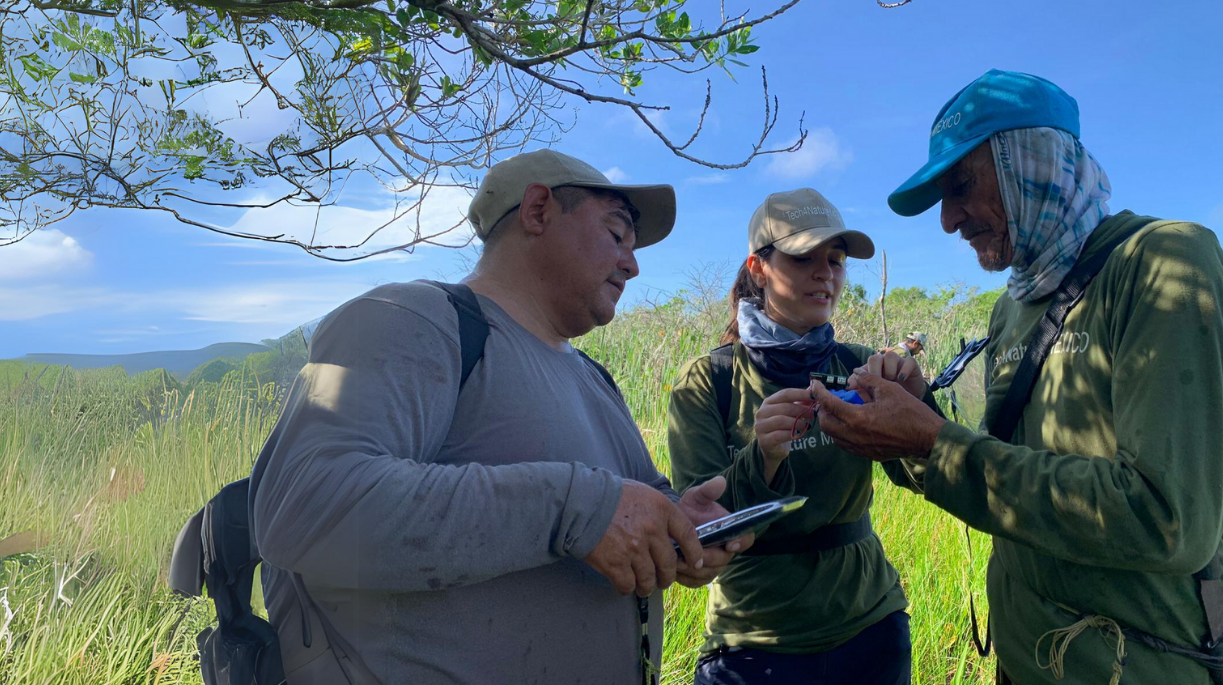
(177, 362)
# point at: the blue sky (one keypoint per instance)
(870, 81)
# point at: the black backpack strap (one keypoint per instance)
(230, 556)
(1210, 591)
(216, 550)
(473, 327)
(722, 364)
(1020, 390)
(847, 358)
(983, 647)
(242, 646)
(473, 332)
(607, 377)
(1064, 299)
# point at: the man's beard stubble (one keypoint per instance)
(995, 257)
(997, 254)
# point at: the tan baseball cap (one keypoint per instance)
(504, 184)
(798, 221)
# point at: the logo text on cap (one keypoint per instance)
(945, 123)
(809, 210)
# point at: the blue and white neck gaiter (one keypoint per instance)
(782, 355)
(1054, 193)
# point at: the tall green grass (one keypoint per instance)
(98, 471)
(645, 351)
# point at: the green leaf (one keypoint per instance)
(449, 87)
(101, 41)
(630, 80)
(37, 68)
(566, 8)
(64, 42)
(194, 168)
(481, 55)
(82, 78)
(360, 47)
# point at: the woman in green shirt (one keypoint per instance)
(815, 600)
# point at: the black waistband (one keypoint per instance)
(1210, 657)
(821, 539)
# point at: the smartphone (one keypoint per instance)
(750, 520)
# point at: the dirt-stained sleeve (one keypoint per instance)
(345, 491)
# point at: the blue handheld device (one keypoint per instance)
(850, 396)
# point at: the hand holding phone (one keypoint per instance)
(750, 520)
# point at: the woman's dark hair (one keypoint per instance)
(744, 287)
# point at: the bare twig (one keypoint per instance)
(883, 300)
(407, 105)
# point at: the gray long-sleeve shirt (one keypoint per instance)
(442, 532)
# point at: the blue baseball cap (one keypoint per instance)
(998, 101)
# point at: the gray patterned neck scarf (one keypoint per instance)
(1054, 193)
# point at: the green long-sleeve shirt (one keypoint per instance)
(791, 603)
(1112, 495)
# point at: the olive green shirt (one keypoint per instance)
(790, 603)
(1112, 495)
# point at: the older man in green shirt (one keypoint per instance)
(1106, 504)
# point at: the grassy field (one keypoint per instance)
(98, 471)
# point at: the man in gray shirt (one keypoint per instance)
(416, 532)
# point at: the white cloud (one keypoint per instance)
(283, 303)
(822, 150)
(37, 301)
(269, 262)
(398, 257)
(275, 304)
(616, 175)
(657, 117)
(253, 124)
(239, 242)
(144, 330)
(247, 112)
(44, 253)
(708, 179)
(442, 214)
